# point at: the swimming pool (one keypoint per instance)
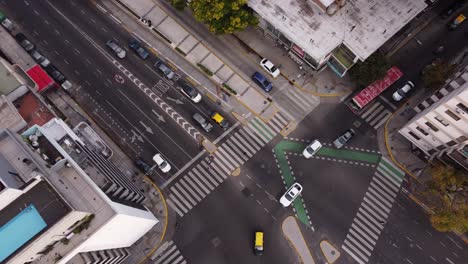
(19, 230)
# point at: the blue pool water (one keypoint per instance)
(19, 230)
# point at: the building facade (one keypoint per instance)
(333, 33)
(440, 129)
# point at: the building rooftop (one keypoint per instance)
(8, 80)
(363, 26)
(9, 116)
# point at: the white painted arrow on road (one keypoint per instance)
(160, 117)
(136, 136)
(177, 101)
(147, 128)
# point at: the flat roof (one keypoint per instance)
(363, 26)
(9, 116)
(8, 81)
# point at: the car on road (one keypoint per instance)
(191, 92)
(163, 165)
(269, 67)
(452, 9)
(39, 58)
(291, 194)
(311, 149)
(142, 165)
(457, 21)
(258, 243)
(24, 42)
(120, 52)
(403, 91)
(160, 65)
(202, 122)
(220, 120)
(134, 45)
(263, 82)
(344, 138)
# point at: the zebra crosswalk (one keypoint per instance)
(373, 212)
(298, 103)
(376, 115)
(168, 253)
(209, 173)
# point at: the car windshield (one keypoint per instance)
(273, 68)
(163, 164)
(309, 149)
(288, 196)
(401, 93)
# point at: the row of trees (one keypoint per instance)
(221, 16)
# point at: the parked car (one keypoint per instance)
(191, 92)
(291, 194)
(24, 42)
(134, 45)
(142, 165)
(311, 149)
(270, 68)
(263, 82)
(401, 93)
(258, 243)
(160, 65)
(43, 61)
(120, 52)
(457, 21)
(344, 138)
(163, 165)
(58, 77)
(220, 120)
(202, 122)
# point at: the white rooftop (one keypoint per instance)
(363, 25)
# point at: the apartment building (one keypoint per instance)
(333, 33)
(440, 129)
(61, 201)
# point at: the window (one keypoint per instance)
(414, 135)
(451, 143)
(452, 115)
(442, 121)
(462, 139)
(422, 131)
(463, 107)
(432, 151)
(431, 126)
(441, 147)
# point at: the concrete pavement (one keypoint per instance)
(293, 233)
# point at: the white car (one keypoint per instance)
(311, 149)
(116, 48)
(270, 68)
(400, 93)
(291, 194)
(162, 163)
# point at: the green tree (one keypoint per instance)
(435, 74)
(223, 16)
(179, 4)
(373, 68)
(448, 189)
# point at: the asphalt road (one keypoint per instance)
(125, 111)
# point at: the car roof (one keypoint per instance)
(258, 238)
(259, 76)
(217, 116)
(269, 64)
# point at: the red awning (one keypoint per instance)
(40, 77)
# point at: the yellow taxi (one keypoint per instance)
(220, 120)
(258, 248)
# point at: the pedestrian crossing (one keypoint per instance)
(373, 212)
(209, 173)
(168, 253)
(297, 102)
(376, 115)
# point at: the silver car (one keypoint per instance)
(116, 48)
(345, 137)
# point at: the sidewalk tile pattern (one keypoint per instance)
(203, 178)
(170, 255)
(373, 212)
(375, 115)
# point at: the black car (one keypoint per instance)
(24, 42)
(55, 74)
(134, 45)
(141, 165)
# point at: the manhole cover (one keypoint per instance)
(246, 192)
(216, 241)
(356, 124)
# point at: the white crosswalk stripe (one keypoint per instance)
(208, 174)
(376, 115)
(371, 217)
(168, 254)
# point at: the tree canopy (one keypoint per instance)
(373, 68)
(449, 187)
(223, 16)
(435, 74)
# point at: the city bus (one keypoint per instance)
(368, 94)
